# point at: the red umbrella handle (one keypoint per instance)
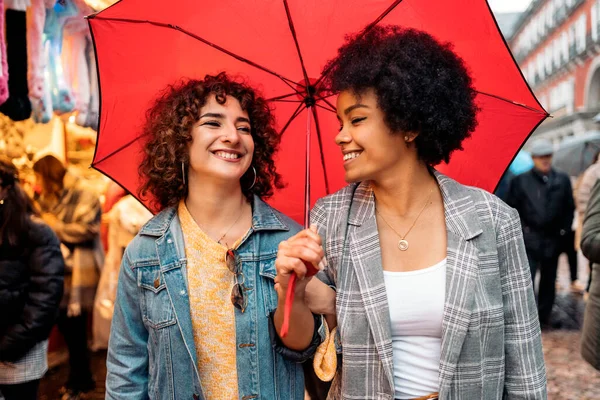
(289, 297)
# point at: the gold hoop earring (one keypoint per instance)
(183, 172)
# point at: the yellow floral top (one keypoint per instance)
(213, 319)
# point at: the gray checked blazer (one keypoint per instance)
(491, 339)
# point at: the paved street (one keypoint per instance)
(569, 377)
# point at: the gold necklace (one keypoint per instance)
(403, 243)
(232, 225)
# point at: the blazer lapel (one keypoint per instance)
(462, 260)
(365, 259)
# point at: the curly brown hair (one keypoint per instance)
(168, 129)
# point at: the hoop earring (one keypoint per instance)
(254, 181)
(183, 172)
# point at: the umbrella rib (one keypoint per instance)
(293, 31)
(293, 117)
(287, 81)
(324, 100)
(316, 117)
(286, 101)
(512, 102)
(325, 108)
(283, 96)
(116, 151)
(364, 32)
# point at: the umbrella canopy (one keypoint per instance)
(577, 153)
(282, 46)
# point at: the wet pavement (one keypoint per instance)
(569, 376)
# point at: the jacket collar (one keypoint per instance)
(263, 218)
(459, 208)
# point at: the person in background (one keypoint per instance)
(582, 196)
(31, 287)
(544, 199)
(73, 211)
(590, 246)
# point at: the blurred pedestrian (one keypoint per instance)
(582, 197)
(31, 286)
(544, 199)
(590, 245)
(73, 211)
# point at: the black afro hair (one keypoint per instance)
(422, 86)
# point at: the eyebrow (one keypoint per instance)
(354, 107)
(222, 116)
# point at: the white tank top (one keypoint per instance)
(416, 302)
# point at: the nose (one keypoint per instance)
(343, 137)
(230, 134)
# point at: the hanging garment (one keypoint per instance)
(94, 108)
(17, 5)
(62, 98)
(3, 63)
(74, 59)
(17, 106)
(39, 86)
(125, 219)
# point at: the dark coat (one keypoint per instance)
(546, 208)
(31, 287)
(590, 246)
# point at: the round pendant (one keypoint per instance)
(403, 245)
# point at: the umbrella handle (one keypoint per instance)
(289, 298)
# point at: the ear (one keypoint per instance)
(410, 137)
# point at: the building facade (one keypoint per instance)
(557, 46)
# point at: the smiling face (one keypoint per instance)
(370, 150)
(222, 144)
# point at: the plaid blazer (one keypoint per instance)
(491, 339)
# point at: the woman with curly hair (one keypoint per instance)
(192, 317)
(433, 291)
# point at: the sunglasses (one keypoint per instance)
(238, 297)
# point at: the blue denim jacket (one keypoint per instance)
(152, 352)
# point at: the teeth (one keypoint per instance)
(350, 156)
(227, 155)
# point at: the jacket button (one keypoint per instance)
(156, 283)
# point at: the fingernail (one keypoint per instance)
(322, 264)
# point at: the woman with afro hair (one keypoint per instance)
(192, 318)
(433, 295)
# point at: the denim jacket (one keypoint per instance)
(152, 352)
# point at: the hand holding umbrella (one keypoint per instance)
(297, 258)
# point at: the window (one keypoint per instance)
(594, 16)
(541, 71)
(581, 33)
(556, 55)
(564, 47)
(548, 59)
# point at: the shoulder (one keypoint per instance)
(562, 176)
(143, 245)
(337, 200)
(490, 207)
(40, 234)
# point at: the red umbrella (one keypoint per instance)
(282, 45)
